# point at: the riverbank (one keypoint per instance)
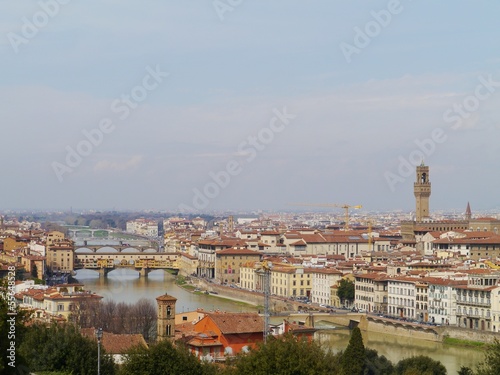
(197, 290)
(370, 323)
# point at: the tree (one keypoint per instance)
(419, 365)
(286, 355)
(377, 365)
(163, 358)
(465, 371)
(346, 291)
(491, 363)
(353, 359)
(62, 348)
(34, 271)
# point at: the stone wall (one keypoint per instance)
(468, 334)
(398, 330)
(254, 298)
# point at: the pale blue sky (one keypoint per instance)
(353, 121)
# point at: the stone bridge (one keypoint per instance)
(85, 248)
(142, 262)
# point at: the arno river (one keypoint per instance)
(125, 286)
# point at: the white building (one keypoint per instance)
(322, 280)
(401, 297)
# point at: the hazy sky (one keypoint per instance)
(239, 104)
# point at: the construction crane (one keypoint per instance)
(265, 270)
(346, 208)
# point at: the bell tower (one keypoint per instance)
(166, 317)
(422, 191)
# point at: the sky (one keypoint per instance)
(209, 105)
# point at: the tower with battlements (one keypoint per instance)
(422, 191)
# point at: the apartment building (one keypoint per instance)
(442, 300)
(371, 292)
(60, 301)
(477, 302)
(401, 298)
(322, 280)
(61, 256)
(206, 249)
(143, 227)
(285, 280)
(229, 261)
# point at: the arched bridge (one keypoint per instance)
(374, 323)
(114, 248)
(142, 262)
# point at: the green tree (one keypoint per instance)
(163, 358)
(34, 271)
(286, 355)
(465, 371)
(377, 365)
(346, 291)
(491, 362)
(353, 359)
(62, 348)
(419, 365)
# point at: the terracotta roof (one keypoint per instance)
(116, 343)
(166, 297)
(230, 323)
(232, 251)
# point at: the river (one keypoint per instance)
(123, 285)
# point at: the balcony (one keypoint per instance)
(472, 303)
(473, 315)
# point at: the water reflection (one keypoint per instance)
(396, 348)
(124, 285)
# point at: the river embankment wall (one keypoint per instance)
(248, 296)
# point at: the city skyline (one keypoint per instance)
(248, 105)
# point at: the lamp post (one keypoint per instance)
(98, 333)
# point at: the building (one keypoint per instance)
(422, 192)
(371, 292)
(229, 261)
(474, 302)
(401, 297)
(442, 300)
(206, 249)
(144, 227)
(220, 334)
(60, 301)
(61, 256)
(322, 280)
(116, 345)
(166, 317)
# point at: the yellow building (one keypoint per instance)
(11, 244)
(61, 256)
(54, 237)
(229, 261)
(188, 264)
